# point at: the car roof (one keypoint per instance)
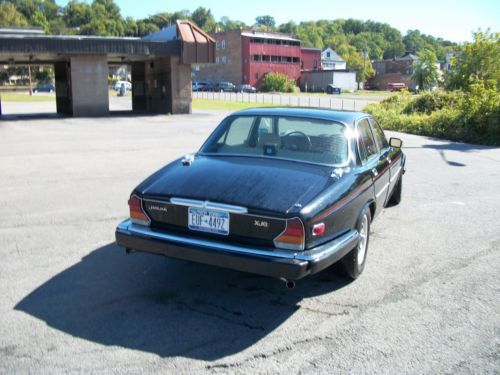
(346, 117)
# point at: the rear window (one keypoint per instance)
(302, 139)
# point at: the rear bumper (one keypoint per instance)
(269, 262)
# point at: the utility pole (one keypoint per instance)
(365, 54)
(29, 75)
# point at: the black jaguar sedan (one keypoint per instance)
(282, 192)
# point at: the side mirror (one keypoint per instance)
(396, 142)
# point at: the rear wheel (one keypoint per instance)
(354, 262)
(396, 193)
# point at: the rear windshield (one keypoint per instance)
(302, 139)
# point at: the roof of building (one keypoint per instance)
(407, 56)
(20, 30)
(334, 55)
(310, 49)
(183, 38)
(268, 35)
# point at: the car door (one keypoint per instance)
(375, 160)
(393, 155)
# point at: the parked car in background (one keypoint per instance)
(44, 87)
(282, 192)
(209, 87)
(247, 88)
(118, 84)
(198, 86)
(396, 86)
(226, 87)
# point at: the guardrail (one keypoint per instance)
(317, 101)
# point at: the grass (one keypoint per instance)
(24, 97)
(224, 105)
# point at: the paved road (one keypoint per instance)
(71, 301)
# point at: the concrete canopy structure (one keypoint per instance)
(161, 66)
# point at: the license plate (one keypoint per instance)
(208, 221)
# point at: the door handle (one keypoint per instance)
(375, 172)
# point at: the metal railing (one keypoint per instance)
(316, 101)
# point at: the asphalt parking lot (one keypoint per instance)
(72, 301)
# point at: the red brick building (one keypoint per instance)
(246, 56)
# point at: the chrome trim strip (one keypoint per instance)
(209, 205)
(316, 255)
(382, 190)
(187, 202)
(127, 227)
(225, 207)
(395, 175)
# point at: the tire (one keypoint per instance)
(354, 262)
(396, 193)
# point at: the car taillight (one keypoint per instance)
(292, 238)
(137, 214)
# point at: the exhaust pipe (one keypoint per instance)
(290, 284)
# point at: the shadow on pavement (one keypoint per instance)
(167, 307)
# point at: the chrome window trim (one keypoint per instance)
(371, 158)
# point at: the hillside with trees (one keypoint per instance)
(103, 17)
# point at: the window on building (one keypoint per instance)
(266, 58)
(315, 64)
(275, 58)
(217, 44)
(217, 60)
(328, 54)
(296, 60)
(223, 59)
(257, 76)
(223, 44)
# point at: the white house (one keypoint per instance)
(330, 60)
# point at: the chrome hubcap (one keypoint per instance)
(363, 237)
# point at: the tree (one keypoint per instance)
(226, 24)
(476, 62)
(203, 18)
(354, 60)
(77, 13)
(265, 22)
(10, 16)
(425, 71)
(277, 82)
(106, 20)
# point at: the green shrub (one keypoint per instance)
(277, 82)
(469, 117)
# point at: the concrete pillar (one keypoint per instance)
(63, 88)
(161, 86)
(138, 87)
(180, 90)
(89, 85)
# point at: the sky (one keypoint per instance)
(451, 20)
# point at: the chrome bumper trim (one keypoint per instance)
(316, 254)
